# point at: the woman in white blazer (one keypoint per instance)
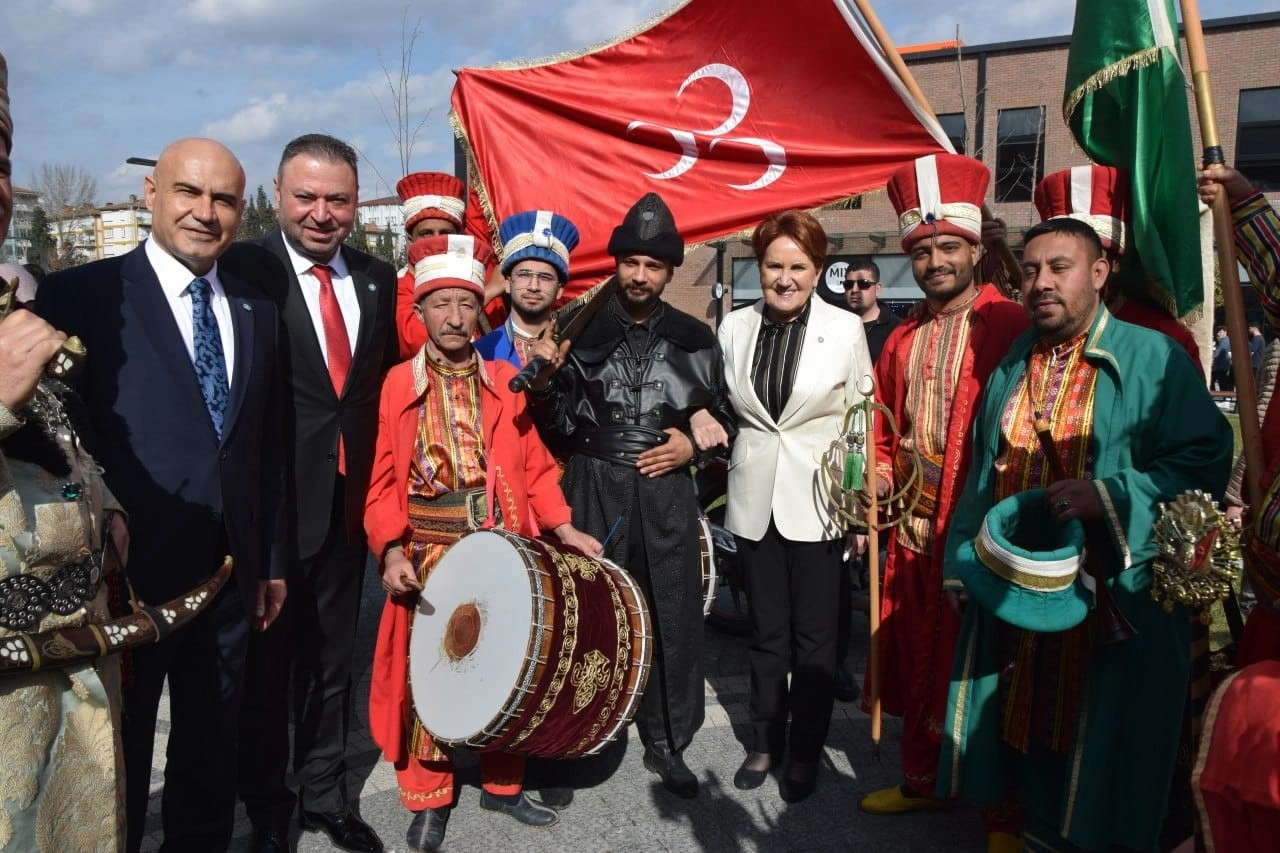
(793, 365)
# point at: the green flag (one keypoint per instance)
(1126, 105)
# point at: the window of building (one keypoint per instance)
(746, 282)
(1019, 153)
(1258, 137)
(953, 127)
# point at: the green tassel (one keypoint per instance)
(852, 472)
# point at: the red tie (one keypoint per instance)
(336, 343)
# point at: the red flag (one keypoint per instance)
(729, 111)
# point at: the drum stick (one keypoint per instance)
(609, 535)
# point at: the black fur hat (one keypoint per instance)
(648, 229)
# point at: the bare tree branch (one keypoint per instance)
(64, 187)
(398, 114)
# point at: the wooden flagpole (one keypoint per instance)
(1012, 268)
(1237, 334)
(873, 573)
(1224, 235)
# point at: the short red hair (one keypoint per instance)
(797, 225)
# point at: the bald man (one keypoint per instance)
(182, 393)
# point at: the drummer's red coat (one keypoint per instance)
(521, 473)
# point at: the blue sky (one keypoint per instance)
(96, 81)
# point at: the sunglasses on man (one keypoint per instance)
(860, 283)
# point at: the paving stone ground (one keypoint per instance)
(621, 806)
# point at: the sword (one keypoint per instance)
(70, 356)
(591, 303)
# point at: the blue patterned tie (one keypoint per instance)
(211, 367)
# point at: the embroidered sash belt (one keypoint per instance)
(445, 519)
(930, 481)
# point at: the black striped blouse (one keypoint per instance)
(773, 370)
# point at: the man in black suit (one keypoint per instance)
(182, 387)
(337, 307)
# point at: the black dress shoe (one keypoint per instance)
(345, 829)
(748, 778)
(676, 776)
(845, 688)
(269, 842)
(426, 830)
(798, 781)
(557, 797)
(521, 808)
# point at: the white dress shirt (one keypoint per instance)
(343, 288)
(174, 281)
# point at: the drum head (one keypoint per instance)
(470, 634)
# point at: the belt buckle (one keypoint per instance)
(477, 512)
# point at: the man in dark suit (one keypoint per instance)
(182, 391)
(338, 307)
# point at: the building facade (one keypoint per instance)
(121, 227)
(92, 233)
(17, 246)
(384, 215)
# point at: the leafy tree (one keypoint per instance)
(385, 247)
(42, 242)
(359, 237)
(259, 218)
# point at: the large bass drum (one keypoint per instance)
(710, 577)
(521, 645)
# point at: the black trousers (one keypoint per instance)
(308, 648)
(204, 663)
(792, 595)
(844, 614)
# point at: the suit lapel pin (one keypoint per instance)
(373, 286)
(246, 306)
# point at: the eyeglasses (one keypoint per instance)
(860, 283)
(526, 277)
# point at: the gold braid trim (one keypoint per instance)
(1105, 76)
(419, 797)
(622, 658)
(1117, 526)
(1209, 720)
(569, 604)
(1077, 761)
(476, 182)
(958, 716)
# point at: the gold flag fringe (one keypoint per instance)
(475, 180)
(1105, 76)
(1100, 79)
